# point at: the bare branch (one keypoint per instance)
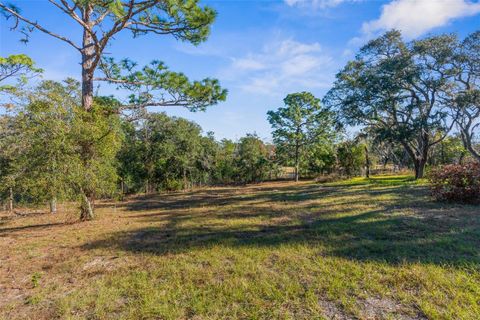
(37, 26)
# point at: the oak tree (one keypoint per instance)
(401, 91)
(466, 98)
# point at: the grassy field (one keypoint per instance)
(357, 249)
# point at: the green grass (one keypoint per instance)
(369, 249)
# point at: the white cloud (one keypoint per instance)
(291, 47)
(300, 64)
(262, 84)
(280, 67)
(416, 17)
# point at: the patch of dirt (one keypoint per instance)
(384, 308)
(332, 312)
(371, 309)
(7, 295)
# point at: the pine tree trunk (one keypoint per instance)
(87, 90)
(88, 61)
(53, 205)
(88, 69)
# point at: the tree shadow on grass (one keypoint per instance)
(211, 198)
(404, 226)
(226, 196)
(7, 231)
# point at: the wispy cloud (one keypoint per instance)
(320, 4)
(416, 17)
(281, 66)
(247, 64)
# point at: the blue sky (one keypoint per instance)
(259, 50)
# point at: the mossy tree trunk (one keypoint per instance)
(86, 208)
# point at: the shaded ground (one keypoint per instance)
(368, 249)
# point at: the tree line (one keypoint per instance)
(44, 134)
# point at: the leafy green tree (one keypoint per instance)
(45, 161)
(10, 143)
(320, 157)
(366, 142)
(100, 21)
(98, 137)
(207, 160)
(163, 152)
(252, 159)
(350, 156)
(35, 144)
(130, 159)
(299, 125)
(46, 140)
(449, 151)
(15, 70)
(400, 91)
(185, 138)
(16, 66)
(141, 151)
(225, 170)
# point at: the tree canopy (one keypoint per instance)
(15, 71)
(300, 124)
(102, 20)
(467, 95)
(44, 141)
(402, 90)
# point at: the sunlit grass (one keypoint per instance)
(375, 248)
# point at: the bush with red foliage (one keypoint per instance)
(457, 183)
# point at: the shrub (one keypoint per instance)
(172, 184)
(458, 183)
